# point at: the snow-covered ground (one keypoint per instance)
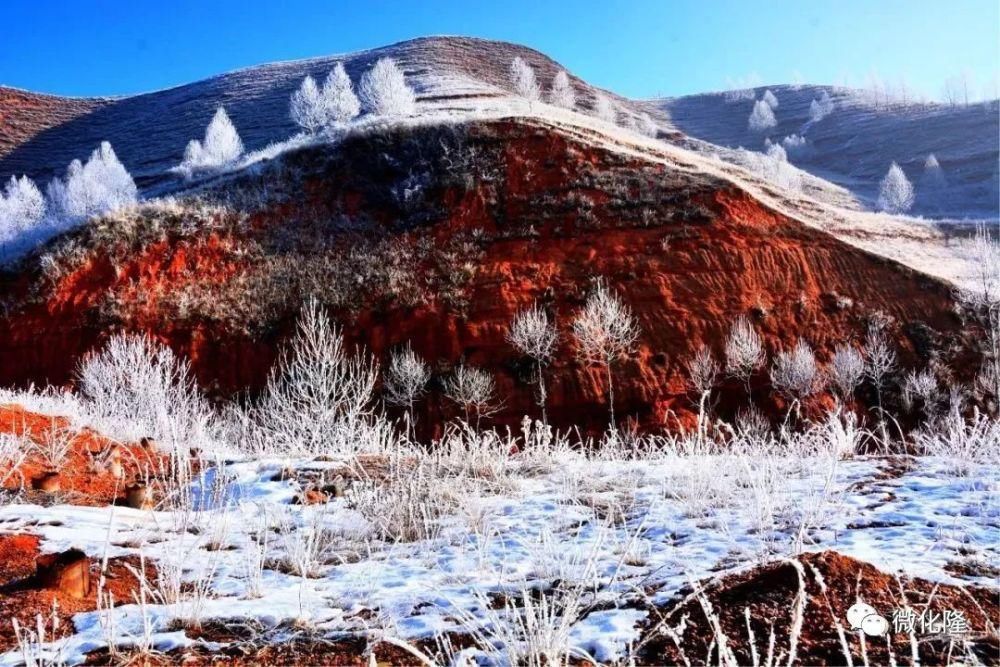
(609, 528)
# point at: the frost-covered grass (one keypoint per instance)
(532, 547)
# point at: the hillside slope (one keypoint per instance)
(854, 145)
(149, 131)
(437, 235)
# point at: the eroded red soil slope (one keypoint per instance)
(438, 236)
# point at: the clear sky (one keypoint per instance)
(638, 48)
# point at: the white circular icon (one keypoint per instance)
(863, 617)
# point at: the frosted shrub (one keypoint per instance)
(318, 397)
(772, 167)
(762, 117)
(744, 351)
(794, 144)
(406, 380)
(222, 147)
(408, 506)
(100, 186)
(895, 194)
(561, 94)
(769, 98)
(522, 76)
(605, 331)
(136, 388)
(703, 372)
(846, 371)
(794, 373)
(384, 91)
(965, 444)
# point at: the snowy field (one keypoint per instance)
(605, 531)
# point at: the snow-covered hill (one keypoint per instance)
(854, 145)
(149, 131)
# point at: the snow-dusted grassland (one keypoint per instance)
(417, 543)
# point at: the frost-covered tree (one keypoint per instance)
(318, 390)
(21, 203)
(340, 104)
(880, 362)
(933, 174)
(895, 195)
(535, 336)
(406, 380)
(22, 209)
(646, 126)
(221, 146)
(384, 91)
(744, 351)
(820, 108)
(605, 109)
(703, 372)
(770, 99)
(561, 94)
(222, 143)
(522, 75)
(762, 117)
(605, 331)
(306, 107)
(474, 390)
(100, 186)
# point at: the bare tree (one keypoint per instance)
(980, 299)
(703, 372)
(605, 330)
(406, 381)
(535, 336)
(384, 90)
(847, 369)
(561, 94)
(880, 362)
(474, 390)
(523, 77)
(744, 352)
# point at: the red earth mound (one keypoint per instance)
(833, 583)
(96, 470)
(24, 597)
(438, 237)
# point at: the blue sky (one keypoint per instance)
(639, 48)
